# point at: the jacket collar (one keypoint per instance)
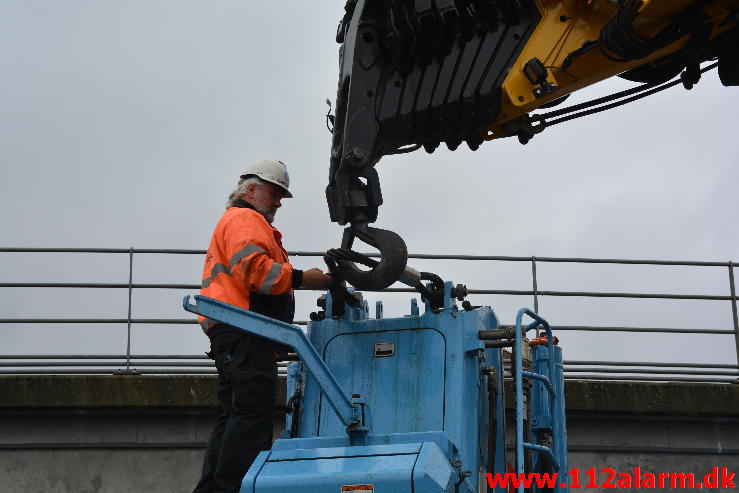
(244, 204)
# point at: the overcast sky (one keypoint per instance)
(127, 124)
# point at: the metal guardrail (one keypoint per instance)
(199, 364)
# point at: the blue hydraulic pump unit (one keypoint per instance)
(408, 405)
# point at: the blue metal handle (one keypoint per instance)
(543, 379)
(543, 449)
(284, 333)
(519, 374)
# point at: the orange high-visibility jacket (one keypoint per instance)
(247, 266)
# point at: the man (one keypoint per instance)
(247, 266)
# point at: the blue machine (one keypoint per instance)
(410, 404)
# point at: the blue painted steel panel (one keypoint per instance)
(433, 471)
(248, 484)
(388, 474)
(400, 468)
(404, 392)
(438, 438)
(334, 452)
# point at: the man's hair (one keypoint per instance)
(241, 189)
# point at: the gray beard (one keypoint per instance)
(269, 215)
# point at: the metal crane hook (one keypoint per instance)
(392, 263)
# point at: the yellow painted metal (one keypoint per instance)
(564, 26)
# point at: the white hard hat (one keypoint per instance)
(272, 171)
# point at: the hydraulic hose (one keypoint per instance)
(294, 406)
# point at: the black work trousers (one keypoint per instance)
(247, 388)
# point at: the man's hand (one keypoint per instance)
(315, 279)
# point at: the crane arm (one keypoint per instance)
(416, 73)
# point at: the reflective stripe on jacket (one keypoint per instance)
(247, 266)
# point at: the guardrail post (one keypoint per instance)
(130, 292)
(533, 277)
(733, 307)
(536, 291)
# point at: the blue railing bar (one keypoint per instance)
(518, 379)
(283, 333)
(544, 450)
(542, 378)
(538, 322)
(519, 373)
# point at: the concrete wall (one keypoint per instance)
(147, 434)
